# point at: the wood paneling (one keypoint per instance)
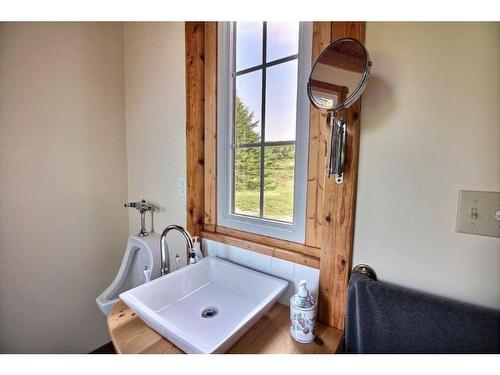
(355, 30)
(195, 127)
(275, 242)
(292, 256)
(318, 142)
(270, 335)
(210, 184)
(339, 208)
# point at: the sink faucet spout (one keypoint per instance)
(165, 259)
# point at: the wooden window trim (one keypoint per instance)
(195, 126)
(237, 238)
(318, 146)
(330, 207)
(210, 125)
(271, 241)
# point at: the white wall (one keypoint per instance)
(156, 121)
(430, 127)
(62, 182)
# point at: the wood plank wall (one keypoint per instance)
(330, 207)
(338, 209)
(195, 125)
(210, 218)
(318, 148)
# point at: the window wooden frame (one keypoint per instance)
(330, 207)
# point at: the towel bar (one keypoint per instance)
(366, 270)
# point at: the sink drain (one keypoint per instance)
(209, 312)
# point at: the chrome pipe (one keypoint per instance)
(142, 207)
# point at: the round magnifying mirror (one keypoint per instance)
(339, 75)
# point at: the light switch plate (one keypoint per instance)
(182, 186)
(478, 213)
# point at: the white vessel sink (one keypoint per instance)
(205, 307)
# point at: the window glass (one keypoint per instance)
(247, 108)
(281, 101)
(282, 39)
(248, 44)
(262, 127)
(265, 112)
(279, 176)
(247, 181)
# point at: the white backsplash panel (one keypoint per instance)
(290, 271)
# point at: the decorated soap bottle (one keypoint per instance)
(302, 315)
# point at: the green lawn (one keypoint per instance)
(278, 203)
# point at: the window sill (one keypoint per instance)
(286, 250)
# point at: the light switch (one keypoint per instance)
(182, 186)
(478, 213)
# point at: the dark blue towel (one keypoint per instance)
(383, 318)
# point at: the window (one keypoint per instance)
(263, 126)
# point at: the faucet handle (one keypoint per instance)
(192, 256)
(192, 259)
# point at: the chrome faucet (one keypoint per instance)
(165, 259)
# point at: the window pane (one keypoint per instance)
(282, 39)
(247, 181)
(247, 107)
(248, 44)
(281, 101)
(279, 164)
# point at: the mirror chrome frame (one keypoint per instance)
(357, 91)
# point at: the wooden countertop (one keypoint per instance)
(270, 335)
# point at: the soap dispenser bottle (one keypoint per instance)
(302, 315)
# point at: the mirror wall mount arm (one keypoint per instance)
(336, 159)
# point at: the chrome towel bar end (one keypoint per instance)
(366, 270)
